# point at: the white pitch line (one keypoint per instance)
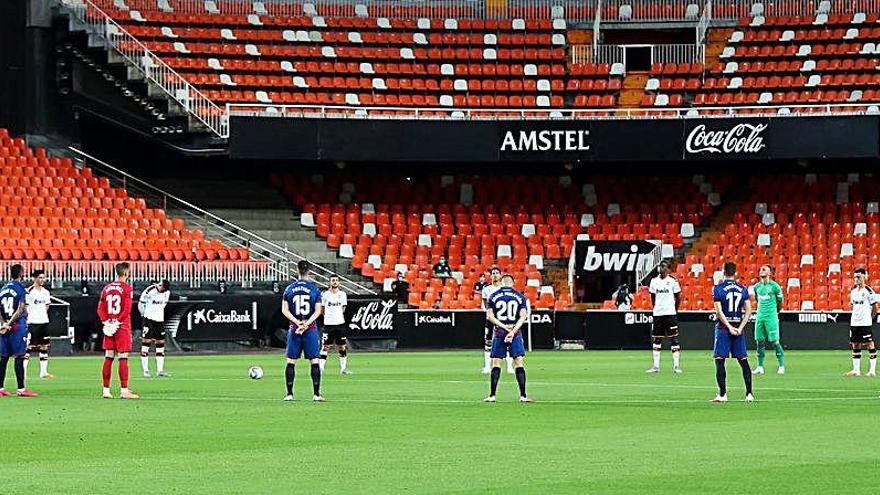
(477, 401)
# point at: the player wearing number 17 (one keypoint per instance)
(302, 307)
(507, 311)
(114, 311)
(733, 309)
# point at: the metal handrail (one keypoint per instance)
(154, 69)
(431, 113)
(280, 257)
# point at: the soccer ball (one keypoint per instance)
(255, 372)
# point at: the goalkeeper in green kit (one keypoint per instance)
(769, 296)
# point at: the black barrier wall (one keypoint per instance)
(645, 140)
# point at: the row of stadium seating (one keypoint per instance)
(53, 210)
(515, 222)
(813, 230)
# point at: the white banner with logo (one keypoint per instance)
(371, 317)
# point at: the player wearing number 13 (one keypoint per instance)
(114, 311)
(733, 310)
(302, 308)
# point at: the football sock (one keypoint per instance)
(44, 363)
(343, 362)
(316, 379)
(676, 353)
(747, 374)
(780, 355)
(721, 376)
(27, 359)
(762, 353)
(493, 382)
(160, 359)
(289, 373)
(509, 363)
(4, 361)
(106, 371)
(19, 372)
(655, 352)
(123, 373)
(872, 360)
(857, 360)
(487, 359)
(145, 358)
(521, 380)
(322, 361)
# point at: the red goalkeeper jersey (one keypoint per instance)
(115, 304)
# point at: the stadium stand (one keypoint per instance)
(515, 222)
(54, 211)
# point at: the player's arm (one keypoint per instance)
(523, 316)
(721, 317)
(778, 299)
(746, 317)
(490, 315)
(18, 312)
(102, 309)
(287, 314)
(319, 310)
(676, 293)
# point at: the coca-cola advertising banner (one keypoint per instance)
(371, 317)
(710, 139)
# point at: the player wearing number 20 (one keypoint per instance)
(302, 308)
(507, 311)
(733, 309)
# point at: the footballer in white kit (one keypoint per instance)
(666, 296)
(38, 300)
(152, 308)
(334, 301)
(864, 311)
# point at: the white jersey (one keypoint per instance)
(487, 292)
(334, 307)
(664, 290)
(152, 303)
(862, 301)
(37, 301)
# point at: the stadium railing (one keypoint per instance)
(278, 260)
(98, 23)
(446, 113)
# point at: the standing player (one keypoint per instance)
(114, 311)
(768, 294)
(13, 331)
(302, 307)
(507, 312)
(151, 306)
(334, 300)
(665, 297)
(38, 300)
(864, 312)
(485, 293)
(733, 310)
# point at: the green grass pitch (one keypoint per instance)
(413, 423)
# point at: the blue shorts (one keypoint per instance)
(14, 342)
(501, 349)
(727, 345)
(309, 343)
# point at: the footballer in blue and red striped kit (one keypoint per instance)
(302, 307)
(507, 310)
(733, 310)
(13, 331)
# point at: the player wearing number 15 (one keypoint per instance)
(302, 308)
(114, 311)
(733, 310)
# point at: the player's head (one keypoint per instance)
(16, 271)
(663, 268)
(495, 274)
(765, 272)
(122, 270)
(334, 281)
(163, 286)
(302, 267)
(507, 280)
(861, 276)
(729, 269)
(39, 277)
